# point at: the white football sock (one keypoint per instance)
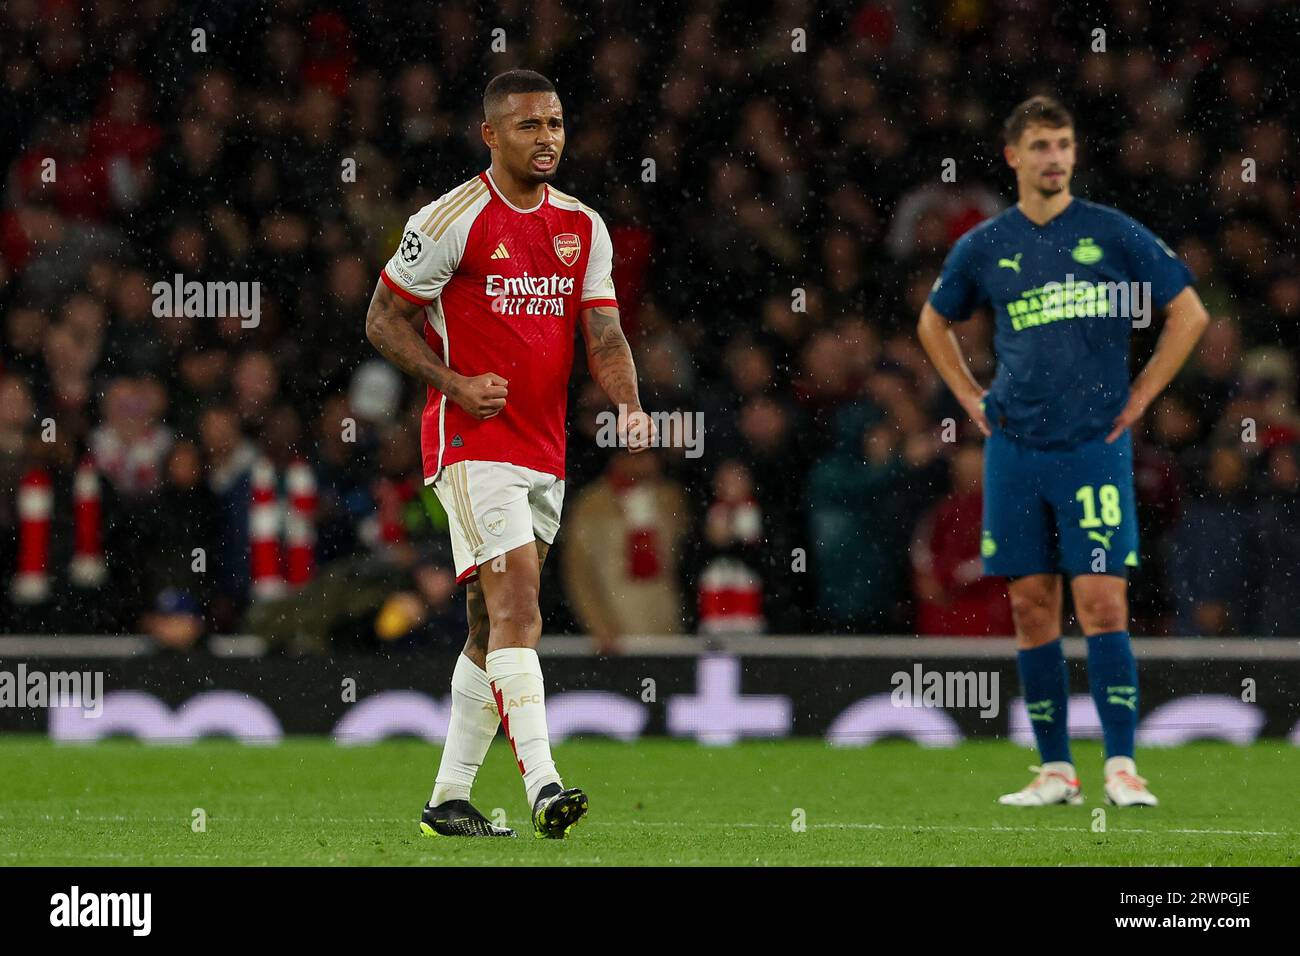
(473, 724)
(516, 677)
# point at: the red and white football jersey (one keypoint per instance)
(502, 288)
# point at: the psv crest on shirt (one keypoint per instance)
(568, 247)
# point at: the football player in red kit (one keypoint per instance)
(479, 302)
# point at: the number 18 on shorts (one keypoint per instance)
(1070, 511)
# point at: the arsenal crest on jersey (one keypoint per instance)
(568, 246)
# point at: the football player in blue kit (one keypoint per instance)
(1066, 280)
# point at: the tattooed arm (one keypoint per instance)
(610, 360)
(394, 327)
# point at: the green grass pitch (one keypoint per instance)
(655, 802)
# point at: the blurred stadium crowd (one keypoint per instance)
(186, 475)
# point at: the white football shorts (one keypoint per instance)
(494, 507)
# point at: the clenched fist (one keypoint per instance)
(483, 396)
(636, 429)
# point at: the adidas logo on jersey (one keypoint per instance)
(500, 252)
(457, 441)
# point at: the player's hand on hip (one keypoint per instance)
(483, 396)
(1134, 409)
(974, 405)
(636, 429)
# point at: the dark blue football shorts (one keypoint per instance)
(1070, 512)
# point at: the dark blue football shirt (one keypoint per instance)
(1065, 296)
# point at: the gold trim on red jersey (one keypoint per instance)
(450, 197)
